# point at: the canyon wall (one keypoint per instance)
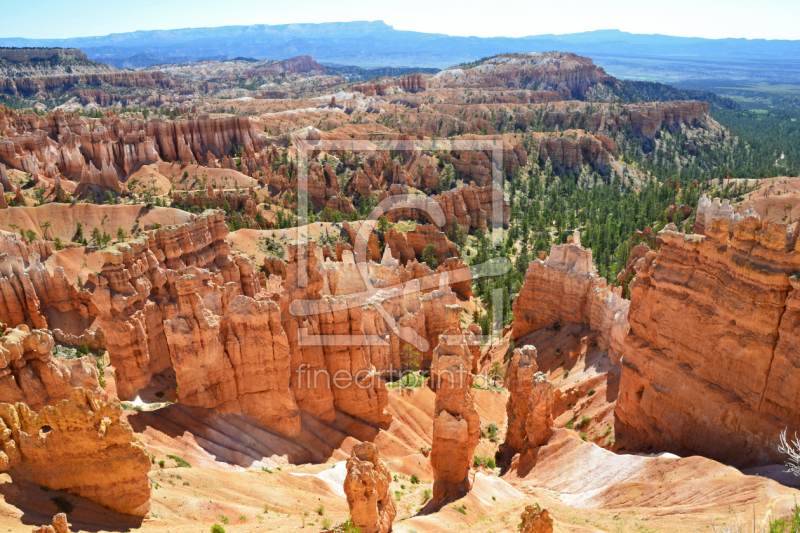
(101, 151)
(27, 86)
(565, 287)
(710, 360)
(34, 296)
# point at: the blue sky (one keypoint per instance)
(770, 19)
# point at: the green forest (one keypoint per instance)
(758, 142)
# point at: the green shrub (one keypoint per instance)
(350, 527)
(414, 479)
(216, 528)
(591, 391)
(182, 463)
(427, 494)
(320, 509)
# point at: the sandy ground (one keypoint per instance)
(63, 219)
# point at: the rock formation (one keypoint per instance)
(30, 374)
(708, 363)
(60, 525)
(104, 151)
(372, 506)
(176, 298)
(35, 296)
(456, 424)
(534, 519)
(470, 206)
(530, 403)
(565, 287)
(79, 445)
(708, 210)
(519, 380)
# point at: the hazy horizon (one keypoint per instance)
(772, 20)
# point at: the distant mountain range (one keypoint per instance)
(376, 44)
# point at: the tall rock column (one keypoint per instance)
(519, 381)
(456, 424)
(258, 350)
(372, 507)
(205, 375)
(530, 405)
(539, 424)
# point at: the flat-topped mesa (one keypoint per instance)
(565, 287)
(456, 424)
(709, 362)
(79, 445)
(371, 504)
(101, 152)
(40, 298)
(31, 375)
(18, 55)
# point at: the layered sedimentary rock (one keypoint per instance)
(43, 84)
(100, 152)
(176, 298)
(456, 424)
(471, 207)
(571, 151)
(519, 380)
(15, 246)
(530, 403)
(411, 245)
(568, 74)
(79, 445)
(372, 506)
(712, 351)
(647, 119)
(565, 287)
(136, 291)
(32, 295)
(30, 374)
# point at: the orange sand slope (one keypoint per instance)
(63, 219)
(239, 470)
